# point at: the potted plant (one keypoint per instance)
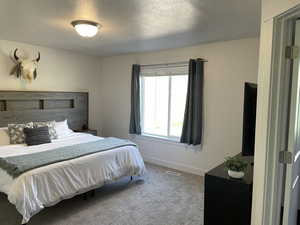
(236, 167)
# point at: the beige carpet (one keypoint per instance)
(160, 198)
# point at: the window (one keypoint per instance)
(163, 98)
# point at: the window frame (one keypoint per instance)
(142, 106)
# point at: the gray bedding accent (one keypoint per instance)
(16, 165)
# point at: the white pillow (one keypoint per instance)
(4, 137)
(62, 129)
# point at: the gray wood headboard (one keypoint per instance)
(27, 106)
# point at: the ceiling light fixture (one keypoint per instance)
(86, 28)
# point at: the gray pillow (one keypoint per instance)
(37, 136)
(16, 133)
(50, 125)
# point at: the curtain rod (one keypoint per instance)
(167, 64)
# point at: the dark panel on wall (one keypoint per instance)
(19, 107)
(16, 105)
(59, 104)
(2, 105)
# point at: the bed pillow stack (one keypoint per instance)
(17, 135)
(14, 133)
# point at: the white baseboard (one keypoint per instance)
(174, 165)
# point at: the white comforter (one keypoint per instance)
(46, 186)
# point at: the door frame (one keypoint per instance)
(278, 119)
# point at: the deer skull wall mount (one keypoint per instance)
(25, 68)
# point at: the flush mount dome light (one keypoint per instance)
(86, 28)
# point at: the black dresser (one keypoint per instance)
(227, 201)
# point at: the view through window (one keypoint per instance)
(163, 101)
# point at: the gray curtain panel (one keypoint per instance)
(192, 124)
(135, 126)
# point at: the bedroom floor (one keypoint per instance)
(161, 199)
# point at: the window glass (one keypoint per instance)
(156, 97)
(178, 100)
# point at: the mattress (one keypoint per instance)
(45, 186)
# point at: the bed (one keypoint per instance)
(47, 185)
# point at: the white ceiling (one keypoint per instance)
(128, 25)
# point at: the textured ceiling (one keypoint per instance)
(128, 25)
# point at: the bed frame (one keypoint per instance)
(33, 106)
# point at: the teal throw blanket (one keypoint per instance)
(16, 165)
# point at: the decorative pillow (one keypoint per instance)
(37, 136)
(4, 137)
(62, 129)
(16, 133)
(50, 125)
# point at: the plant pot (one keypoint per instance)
(236, 174)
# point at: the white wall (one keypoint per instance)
(230, 64)
(58, 70)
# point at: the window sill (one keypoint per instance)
(156, 137)
(146, 137)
